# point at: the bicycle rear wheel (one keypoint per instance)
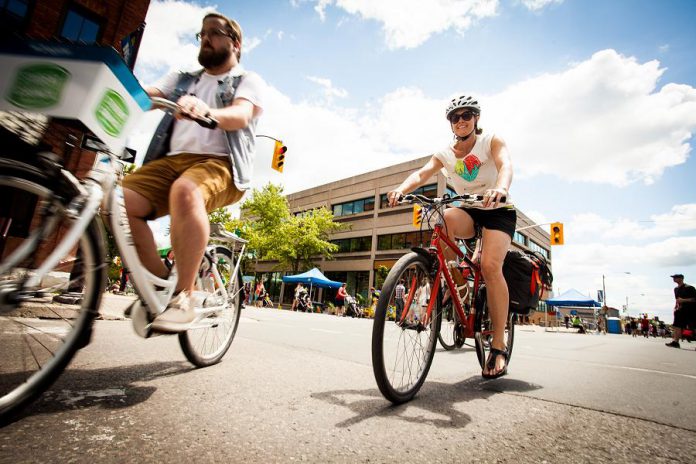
(208, 342)
(447, 335)
(39, 335)
(403, 352)
(483, 333)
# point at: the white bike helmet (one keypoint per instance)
(464, 101)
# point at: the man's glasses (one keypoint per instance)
(213, 33)
(466, 116)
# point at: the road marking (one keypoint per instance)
(325, 331)
(639, 369)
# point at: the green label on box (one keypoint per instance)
(112, 113)
(38, 86)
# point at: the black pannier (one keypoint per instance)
(527, 275)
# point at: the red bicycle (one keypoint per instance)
(403, 350)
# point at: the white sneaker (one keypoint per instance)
(177, 317)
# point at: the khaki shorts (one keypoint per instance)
(212, 174)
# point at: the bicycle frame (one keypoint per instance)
(100, 192)
(436, 249)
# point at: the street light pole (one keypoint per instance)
(604, 292)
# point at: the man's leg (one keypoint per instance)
(190, 230)
(138, 208)
(495, 246)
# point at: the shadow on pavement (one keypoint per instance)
(436, 398)
(112, 388)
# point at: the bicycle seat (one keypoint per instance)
(218, 232)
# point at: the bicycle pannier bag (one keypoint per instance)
(526, 274)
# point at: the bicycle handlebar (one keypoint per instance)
(471, 199)
(164, 104)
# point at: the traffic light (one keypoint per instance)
(417, 215)
(557, 233)
(278, 156)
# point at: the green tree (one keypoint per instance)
(275, 234)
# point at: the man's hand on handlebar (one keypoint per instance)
(191, 107)
(394, 196)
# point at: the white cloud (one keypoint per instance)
(409, 23)
(328, 90)
(537, 5)
(600, 121)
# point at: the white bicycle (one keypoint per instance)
(47, 219)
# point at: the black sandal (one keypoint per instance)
(490, 364)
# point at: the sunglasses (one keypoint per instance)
(466, 116)
(213, 33)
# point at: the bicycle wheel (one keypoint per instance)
(208, 342)
(447, 336)
(403, 352)
(483, 333)
(40, 336)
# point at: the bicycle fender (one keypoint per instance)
(427, 255)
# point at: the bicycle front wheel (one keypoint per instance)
(207, 343)
(403, 350)
(483, 329)
(39, 334)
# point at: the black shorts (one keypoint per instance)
(684, 318)
(504, 219)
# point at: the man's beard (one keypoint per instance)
(211, 58)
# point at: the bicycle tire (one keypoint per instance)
(447, 328)
(202, 347)
(391, 364)
(482, 329)
(52, 337)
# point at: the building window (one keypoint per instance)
(536, 247)
(79, 26)
(404, 240)
(429, 191)
(520, 238)
(353, 244)
(14, 13)
(354, 207)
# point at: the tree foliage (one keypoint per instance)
(275, 234)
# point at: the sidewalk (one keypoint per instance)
(111, 308)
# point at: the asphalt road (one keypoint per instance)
(299, 387)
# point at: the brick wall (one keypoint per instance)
(120, 17)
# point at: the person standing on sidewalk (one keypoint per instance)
(684, 308)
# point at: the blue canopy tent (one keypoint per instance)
(314, 278)
(578, 303)
(572, 298)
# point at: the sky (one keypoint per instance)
(596, 100)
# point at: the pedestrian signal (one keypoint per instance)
(417, 215)
(557, 233)
(278, 156)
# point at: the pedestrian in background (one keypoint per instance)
(399, 295)
(684, 309)
(341, 300)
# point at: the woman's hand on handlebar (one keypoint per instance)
(494, 197)
(394, 196)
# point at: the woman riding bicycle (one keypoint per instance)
(476, 164)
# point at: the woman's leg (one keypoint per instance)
(495, 247)
(458, 224)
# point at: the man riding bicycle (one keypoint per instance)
(476, 164)
(189, 170)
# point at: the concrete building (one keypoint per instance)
(376, 235)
